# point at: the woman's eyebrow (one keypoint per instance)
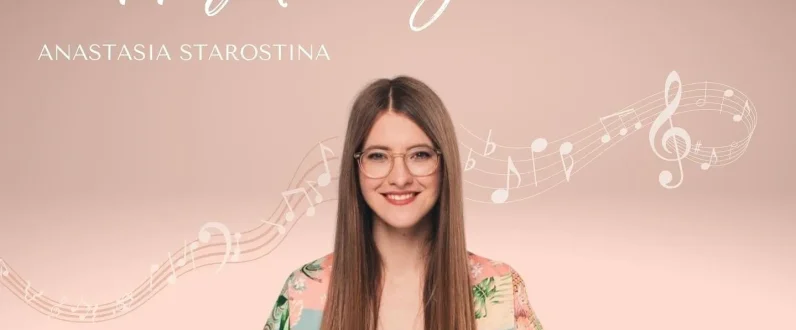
(383, 147)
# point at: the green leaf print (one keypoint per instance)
(280, 315)
(482, 293)
(312, 270)
(488, 292)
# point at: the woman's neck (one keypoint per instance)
(403, 251)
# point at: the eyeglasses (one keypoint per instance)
(378, 163)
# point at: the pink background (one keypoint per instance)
(107, 167)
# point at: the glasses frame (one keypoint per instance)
(393, 156)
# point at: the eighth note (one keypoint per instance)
(318, 196)
(623, 131)
(184, 260)
(173, 276)
(279, 228)
(737, 118)
(566, 150)
(290, 215)
(326, 177)
(727, 93)
(713, 159)
(537, 146)
(500, 196)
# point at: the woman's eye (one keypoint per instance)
(376, 156)
(421, 155)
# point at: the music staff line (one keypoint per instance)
(276, 229)
(747, 115)
(165, 266)
(134, 301)
(731, 151)
(747, 121)
(659, 101)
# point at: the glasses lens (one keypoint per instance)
(419, 161)
(422, 161)
(376, 163)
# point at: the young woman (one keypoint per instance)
(400, 260)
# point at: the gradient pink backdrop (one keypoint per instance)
(106, 166)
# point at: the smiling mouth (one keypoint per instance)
(400, 198)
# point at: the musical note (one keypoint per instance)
(184, 260)
(290, 215)
(489, 143)
(236, 253)
(56, 310)
(622, 114)
(152, 270)
(318, 196)
(3, 268)
(173, 277)
(121, 302)
(468, 165)
(623, 131)
(204, 237)
(702, 101)
(76, 308)
(501, 195)
(665, 177)
(94, 313)
(711, 161)
(326, 177)
(727, 94)
(738, 117)
(538, 145)
(566, 150)
(32, 296)
(279, 228)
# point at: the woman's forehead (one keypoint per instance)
(395, 131)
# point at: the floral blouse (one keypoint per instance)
(300, 303)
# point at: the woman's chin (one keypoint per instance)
(402, 223)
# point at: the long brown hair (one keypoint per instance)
(354, 290)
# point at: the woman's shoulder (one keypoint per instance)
(482, 267)
(310, 277)
(303, 295)
(495, 281)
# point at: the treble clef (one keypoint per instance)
(673, 132)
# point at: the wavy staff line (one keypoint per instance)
(698, 158)
(633, 105)
(163, 268)
(561, 181)
(142, 290)
(721, 150)
(111, 314)
(162, 279)
(599, 131)
(750, 121)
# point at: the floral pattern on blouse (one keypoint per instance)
(500, 298)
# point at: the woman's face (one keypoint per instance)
(400, 199)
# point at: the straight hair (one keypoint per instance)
(354, 290)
